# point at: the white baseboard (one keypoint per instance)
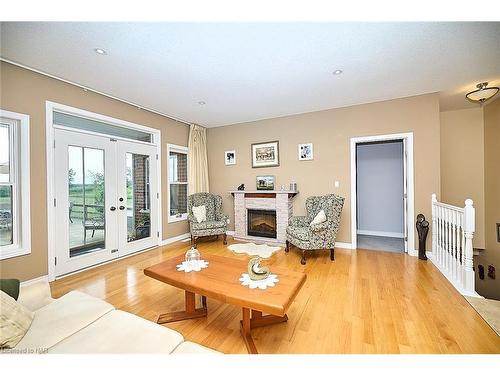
(44, 278)
(379, 233)
(343, 245)
(170, 240)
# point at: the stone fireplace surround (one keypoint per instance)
(280, 201)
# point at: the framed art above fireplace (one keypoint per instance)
(265, 154)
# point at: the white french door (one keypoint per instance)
(106, 201)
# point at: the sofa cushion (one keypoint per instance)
(10, 286)
(188, 347)
(15, 320)
(121, 332)
(62, 318)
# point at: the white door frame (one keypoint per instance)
(410, 183)
(49, 145)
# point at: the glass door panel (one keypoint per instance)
(86, 200)
(138, 197)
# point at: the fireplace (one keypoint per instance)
(261, 223)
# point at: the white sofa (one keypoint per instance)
(79, 323)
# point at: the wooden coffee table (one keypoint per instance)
(220, 281)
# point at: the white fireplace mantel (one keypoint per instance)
(278, 200)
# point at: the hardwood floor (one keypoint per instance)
(363, 302)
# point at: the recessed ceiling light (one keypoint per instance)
(201, 102)
(100, 51)
(337, 72)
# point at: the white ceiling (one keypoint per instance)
(246, 72)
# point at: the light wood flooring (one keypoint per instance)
(363, 302)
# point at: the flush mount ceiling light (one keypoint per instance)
(337, 72)
(100, 51)
(482, 94)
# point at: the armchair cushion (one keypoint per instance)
(200, 213)
(319, 218)
(208, 225)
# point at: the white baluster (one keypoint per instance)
(441, 237)
(454, 244)
(447, 235)
(434, 227)
(463, 250)
(470, 227)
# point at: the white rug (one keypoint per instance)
(264, 251)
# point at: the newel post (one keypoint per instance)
(434, 226)
(469, 228)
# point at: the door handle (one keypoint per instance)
(112, 208)
(121, 208)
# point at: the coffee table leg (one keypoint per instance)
(256, 320)
(191, 312)
(245, 332)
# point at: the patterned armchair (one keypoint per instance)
(317, 236)
(216, 222)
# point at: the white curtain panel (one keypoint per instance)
(197, 160)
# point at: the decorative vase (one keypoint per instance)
(422, 229)
(192, 255)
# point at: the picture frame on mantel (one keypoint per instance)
(265, 154)
(265, 182)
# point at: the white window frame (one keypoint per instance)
(182, 150)
(20, 180)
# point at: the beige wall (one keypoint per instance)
(25, 92)
(491, 288)
(330, 132)
(462, 163)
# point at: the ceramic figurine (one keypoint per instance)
(255, 271)
(241, 187)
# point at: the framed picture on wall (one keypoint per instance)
(265, 182)
(265, 154)
(306, 151)
(498, 232)
(230, 157)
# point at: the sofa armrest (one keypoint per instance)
(35, 296)
(298, 221)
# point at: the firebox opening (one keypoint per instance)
(262, 223)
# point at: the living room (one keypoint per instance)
(244, 187)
